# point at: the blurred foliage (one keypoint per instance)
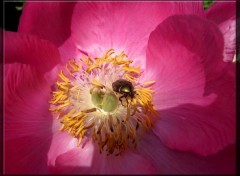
(207, 4)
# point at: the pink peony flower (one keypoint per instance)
(176, 115)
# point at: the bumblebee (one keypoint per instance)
(125, 88)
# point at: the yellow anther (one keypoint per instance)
(92, 67)
(74, 66)
(78, 96)
(64, 78)
(130, 77)
(69, 72)
(74, 87)
(59, 97)
(78, 114)
(95, 82)
(132, 69)
(108, 53)
(70, 113)
(148, 83)
(122, 62)
(83, 101)
(64, 105)
(62, 83)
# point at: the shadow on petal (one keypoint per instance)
(169, 161)
(88, 160)
(26, 155)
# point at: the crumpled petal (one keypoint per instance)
(88, 160)
(27, 120)
(28, 49)
(195, 95)
(123, 26)
(224, 15)
(168, 161)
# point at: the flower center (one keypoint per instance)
(103, 98)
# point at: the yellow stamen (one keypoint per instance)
(95, 82)
(69, 72)
(108, 53)
(74, 66)
(130, 77)
(132, 69)
(92, 67)
(87, 105)
(89, 110)
(74, 87)
(78, 96)
(148, 83)
(64, 78)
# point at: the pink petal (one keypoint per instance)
(26, 97)
(27, 123)
(123, 26)
(179, 52)
(193, 86)
(26, 155)
(68, 50)
(50, 21)
(224, 15)
(61, 143)
(188, 8)
(168, 161)
(180, 64)
(202, 129)
(1, 45)
(31, 50)
(87, 160)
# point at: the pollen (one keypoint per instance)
(104, 99)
